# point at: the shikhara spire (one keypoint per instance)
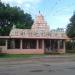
(40, 24)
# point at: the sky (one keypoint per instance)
(56, 12)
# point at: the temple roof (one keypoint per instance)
(39, 29)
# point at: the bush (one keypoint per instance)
(70, 46)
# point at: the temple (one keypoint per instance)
(40, 39)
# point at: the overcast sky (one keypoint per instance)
(56, 12)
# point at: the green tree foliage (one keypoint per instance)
(13, 15)
(71, 27)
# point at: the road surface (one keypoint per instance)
(38, 66)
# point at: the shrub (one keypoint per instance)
(70, 46)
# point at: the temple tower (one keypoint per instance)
(40, 25)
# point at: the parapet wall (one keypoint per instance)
(26, 51)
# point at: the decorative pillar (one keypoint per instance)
(6, 44)
(43, 44)
(21, 44)
(37, 45)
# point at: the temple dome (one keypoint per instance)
(40, 24)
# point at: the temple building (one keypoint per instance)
(40, 39)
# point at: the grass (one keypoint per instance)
(26, 55)
(20, 55)
(17, 56)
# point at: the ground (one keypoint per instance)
(45, 65)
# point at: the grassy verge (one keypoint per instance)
(26, 55)
(20, 55)
(32, 55)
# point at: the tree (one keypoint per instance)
(71, 27)
(13, 15)
(26, 22)
(71, 33)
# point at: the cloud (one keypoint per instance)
(26, 5)
(22, 2)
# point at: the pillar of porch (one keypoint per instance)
(43, 44)
(58, 46)
(37, 45)
(6, 44)
(50, 45)
(64, 47)
(21, 44)
(13, 44)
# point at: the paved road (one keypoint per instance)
(38, 66)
